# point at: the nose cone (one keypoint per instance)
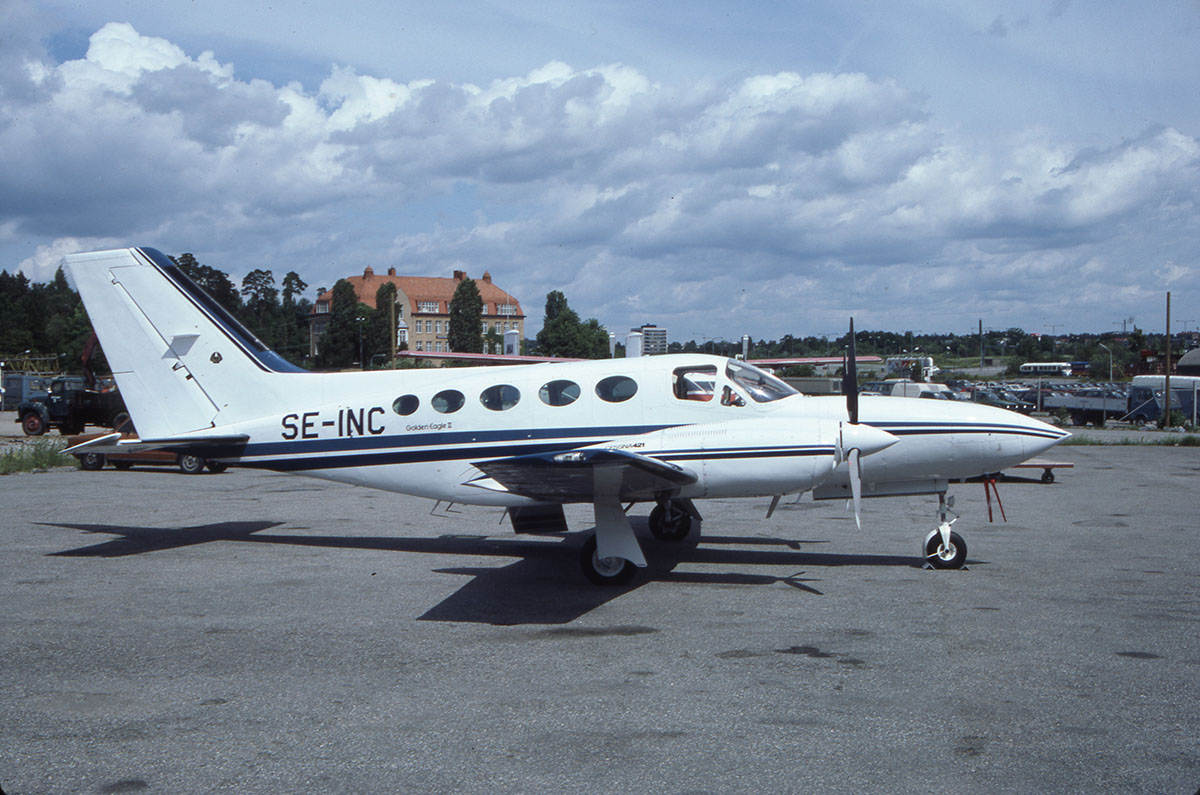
(866, 439)
(1041, 436)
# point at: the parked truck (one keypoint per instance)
(1084, 406)
(69, 405)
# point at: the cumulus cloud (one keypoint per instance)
(795, 194)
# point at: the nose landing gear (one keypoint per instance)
(944, 549)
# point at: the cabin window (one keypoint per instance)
(695, 383)
(762, 386)
(448, 401)
(406, 405)
(616, 388)
(559, 393)
(500, 397)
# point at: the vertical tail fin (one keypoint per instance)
(183, 363)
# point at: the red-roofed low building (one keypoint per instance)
(423, 308)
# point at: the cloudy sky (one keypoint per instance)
(716, 168)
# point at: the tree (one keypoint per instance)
(466, 318)
(213, 281)
(563, 334)
(261, 311)
(339, 342)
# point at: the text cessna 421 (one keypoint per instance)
(666, 430)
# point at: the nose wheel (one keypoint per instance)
(943, 548)
(948, 553)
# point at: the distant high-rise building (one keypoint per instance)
(654, 339)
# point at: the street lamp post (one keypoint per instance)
(1110, 359)
(361, 364)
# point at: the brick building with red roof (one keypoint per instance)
(423, 308)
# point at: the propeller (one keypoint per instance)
(850, 379)
(851, 441)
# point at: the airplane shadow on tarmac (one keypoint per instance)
(543, 586)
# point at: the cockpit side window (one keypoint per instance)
(761, 386)
(695, 383)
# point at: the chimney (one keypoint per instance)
(487, 277)
(368, 272)
(460, 275)
(391, 271)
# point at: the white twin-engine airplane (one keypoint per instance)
(662, 429)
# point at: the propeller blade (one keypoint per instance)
(854, 464)
(850, 379)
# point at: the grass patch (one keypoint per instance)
(1185, 440)
(43, 454)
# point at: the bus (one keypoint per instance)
(1046, 368)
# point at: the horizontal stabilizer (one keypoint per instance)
(116, 443)
(571, 476)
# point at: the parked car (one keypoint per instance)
(188, 464)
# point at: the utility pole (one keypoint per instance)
(1167, 379)
(981, 345)
(395, 331)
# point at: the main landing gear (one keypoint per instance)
(670, 521)
(604, 571)
(944, 549)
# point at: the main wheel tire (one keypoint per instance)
(1048, 476)
(191, 464)
(943, 557)
(92, 461)
(604, 571)
(672, 523)
(216, 467)
(33, 424)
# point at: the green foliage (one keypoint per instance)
(214, 282)
(563, 334)
(43, 319)
(466, 317)
(37, 456)
(340, 342)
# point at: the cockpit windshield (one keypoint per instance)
(762, 386)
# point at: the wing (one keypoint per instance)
(583, 475)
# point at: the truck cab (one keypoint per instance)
(69, 405)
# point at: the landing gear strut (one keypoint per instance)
(944, 549)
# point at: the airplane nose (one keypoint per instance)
(1043, 436)
(867, 439)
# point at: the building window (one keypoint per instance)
(438, 325)
(427, 306)
(506, 309)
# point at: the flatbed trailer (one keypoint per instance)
(1047, 467)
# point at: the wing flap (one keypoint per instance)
(572, 476)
